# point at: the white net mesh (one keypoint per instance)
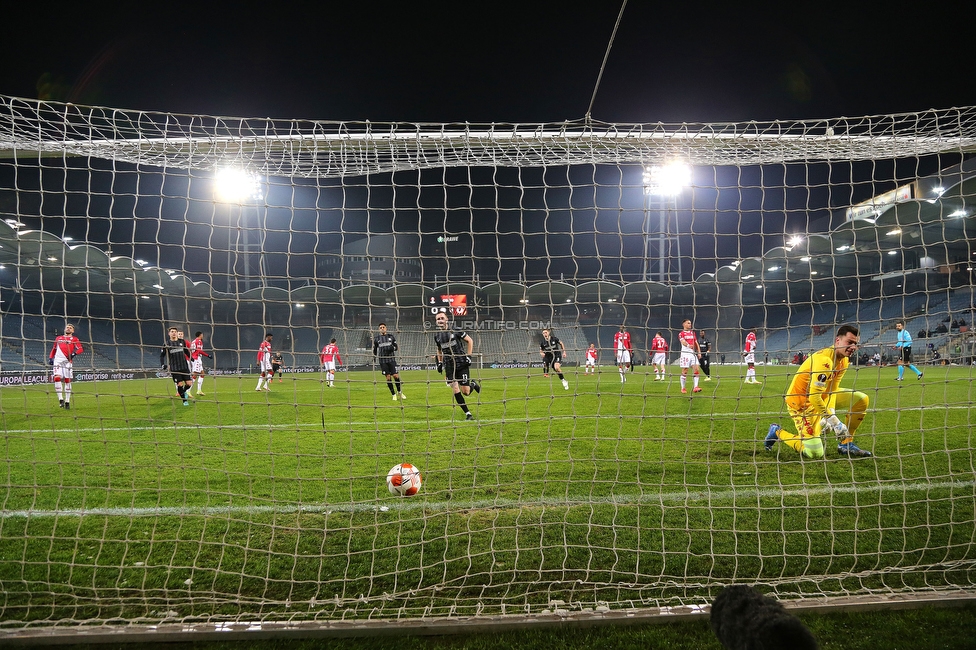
(613, 490)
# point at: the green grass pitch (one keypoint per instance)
(274, 505)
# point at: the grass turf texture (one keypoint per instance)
(244, 505)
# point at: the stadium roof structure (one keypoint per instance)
(934, 227)
(847, 261)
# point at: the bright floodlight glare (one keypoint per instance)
(793, 241)
(235, 185)
(667, 180)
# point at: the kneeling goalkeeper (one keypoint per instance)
(815, 394)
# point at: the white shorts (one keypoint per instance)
(688, 359)
(197, 365)
(329, 365)
(265, 366)
(591, 362)
(63, 370)
(659, 358)
(623, 356)
(751, 357)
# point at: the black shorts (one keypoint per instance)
(388, 366)
(461, 373)
(180, 377)
(905, 354)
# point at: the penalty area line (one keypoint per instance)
(404, 505)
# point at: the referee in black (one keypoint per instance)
(175, 356)
(384, 349)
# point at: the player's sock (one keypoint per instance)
(260, 381)
(915, 370)
(560, 375)
(901, 372)
(399, 386)
(67, 391)
(200, 384)
(59, 390)
(389, 384)
(459, 398)
(684, 381)
(695, 380)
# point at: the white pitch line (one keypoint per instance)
(494, 504)
(412, 424)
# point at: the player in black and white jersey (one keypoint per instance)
(175, 356)
(552, 351)
(454, 348)
(384, 349)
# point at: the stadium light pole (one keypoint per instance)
(665, 182)
(239, 187)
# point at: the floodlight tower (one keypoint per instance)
(242, 189)
(665, 183)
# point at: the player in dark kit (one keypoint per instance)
(454, 349)
(552, 351)
(705, 347)
(384, 349)
(175, 356)
(277, 363)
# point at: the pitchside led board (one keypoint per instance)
(457, 303)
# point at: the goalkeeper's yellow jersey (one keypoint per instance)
(814, 383)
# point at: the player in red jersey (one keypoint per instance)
(689, 355)
(264, 363)
(624, 350)
(591, 354)
(749, 353)
(197, 353)
(659, 356)
(330, 358)
(66, 347)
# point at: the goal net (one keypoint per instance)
(557, 479)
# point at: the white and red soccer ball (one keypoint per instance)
(404, 480)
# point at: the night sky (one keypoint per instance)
(499, 61)
(479, 63)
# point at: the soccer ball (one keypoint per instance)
(403, 480)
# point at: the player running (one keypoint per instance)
(264, 363)
(591, 355)
(814, 395)
(749, 354)
(66, 348)
(659, 356)
(197, 353)
(384, 349)
(904, 349)
(552, 351)
(689, 356)
(454, 348)
(175, 357)
(624, 350)
(330, 358)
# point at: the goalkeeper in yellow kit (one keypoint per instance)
(813, 396)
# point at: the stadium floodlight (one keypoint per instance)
(235, 185)
(794, 241)
(666, 180)
(895, 231)
(958, 213)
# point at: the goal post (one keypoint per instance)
(221, 503)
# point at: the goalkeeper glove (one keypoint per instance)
(440, 367)
(833, 423)
(51, 360)
(164, 366)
